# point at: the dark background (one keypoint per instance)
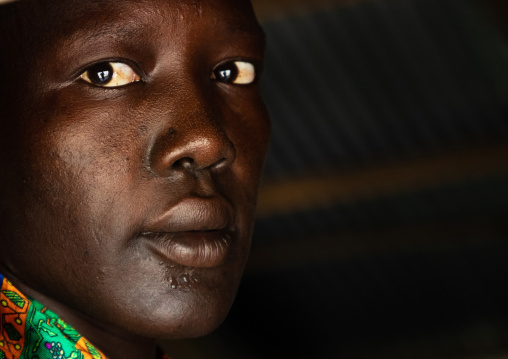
(382, 229)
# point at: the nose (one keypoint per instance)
(193, 139)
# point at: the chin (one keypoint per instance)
(192, 322)
(185, 303)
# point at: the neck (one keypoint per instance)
(113, 344)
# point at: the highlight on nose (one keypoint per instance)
(194, 153)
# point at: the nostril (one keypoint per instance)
(188, 163)
(185, 163)
(190, 152)
(223, 162)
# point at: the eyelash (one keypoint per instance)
(116, 74)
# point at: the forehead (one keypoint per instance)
(64, 17)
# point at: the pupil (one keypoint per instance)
(226, 73)
(101, 74)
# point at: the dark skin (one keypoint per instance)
(128, 205)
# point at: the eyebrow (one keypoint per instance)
(114, 30)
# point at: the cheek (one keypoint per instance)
(250, 130)
(72, 164)
(250, 135)
(91, 145)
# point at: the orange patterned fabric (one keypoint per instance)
(14, 311)
(28, 330)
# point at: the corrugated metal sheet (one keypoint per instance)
(381, 80)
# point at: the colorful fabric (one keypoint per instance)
(28, 330)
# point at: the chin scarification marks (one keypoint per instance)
(182, 282)
(28, 330)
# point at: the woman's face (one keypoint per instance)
(132, 170)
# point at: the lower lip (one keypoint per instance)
(191, 249)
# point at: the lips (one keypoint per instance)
(197, 232)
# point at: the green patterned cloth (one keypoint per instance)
(28, 330)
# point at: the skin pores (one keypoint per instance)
(128, 205)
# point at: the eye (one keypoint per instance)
(235, 72)
(110, 74)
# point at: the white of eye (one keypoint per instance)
(235, 72)
(110, 74)
(246, 73)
